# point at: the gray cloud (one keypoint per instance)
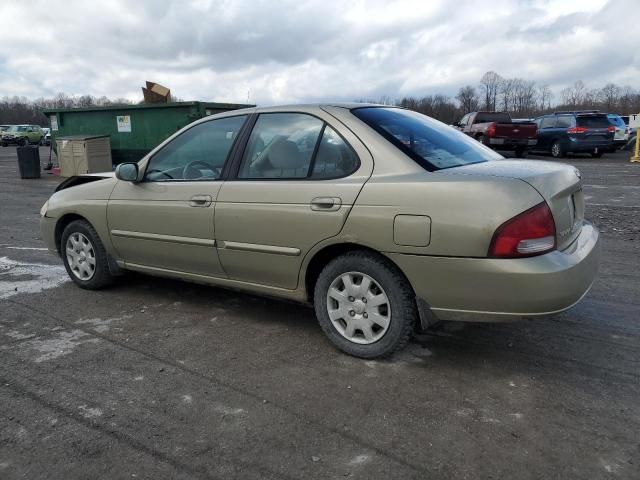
(291, 51)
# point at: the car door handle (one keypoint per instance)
(200, 201)
(326, 204)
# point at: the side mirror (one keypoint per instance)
(127, 172)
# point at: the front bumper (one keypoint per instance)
(488, 289)
(48, 230)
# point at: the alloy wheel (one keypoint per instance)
(81, 256)
(358, 308)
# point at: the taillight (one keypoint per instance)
(611, 128)
(491, 130)
(532, 232)
(577, 130)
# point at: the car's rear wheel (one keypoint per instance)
(556, 149)
(596, 154)
(365, 305)
(84, 256)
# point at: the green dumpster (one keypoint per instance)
(134, 130)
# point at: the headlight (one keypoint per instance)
(43, 210)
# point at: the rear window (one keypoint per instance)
(484, 117)
(432, 144)
(592, 121)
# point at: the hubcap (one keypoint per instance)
(358, 307)
(555, 149)
(81, 256)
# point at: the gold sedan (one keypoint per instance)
(387, 221)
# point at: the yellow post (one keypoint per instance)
(636, 154)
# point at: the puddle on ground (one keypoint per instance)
(23, 277)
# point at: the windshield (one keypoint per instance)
(17, 128)
(617, 121)
(431, 143)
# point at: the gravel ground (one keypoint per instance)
(157, 378)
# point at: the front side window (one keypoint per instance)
(429, 142)
(197, 154)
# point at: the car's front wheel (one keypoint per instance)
(365, 305)
(84, 256)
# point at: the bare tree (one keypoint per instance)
(545, 95)
(468, 99)
(490, 85)
(609, 96)
(574, 95)
(507, 89)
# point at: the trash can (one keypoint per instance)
(29, 162)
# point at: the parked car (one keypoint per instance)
(560, 133)
(22, 135)
(621, 134)
(46, 140)
(498, 131)
(333, 206)
(4, 128)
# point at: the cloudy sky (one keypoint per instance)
(294, 51)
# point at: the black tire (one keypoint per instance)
(521, 153)
(4, 144)
(557, 151)
(24, 141)
(596, 155)
(101, 275)
(401, 300)
(480, 138)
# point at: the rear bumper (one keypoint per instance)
(485, 289)
(587, 147)
(512, 143)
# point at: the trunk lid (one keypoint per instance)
(559, 184)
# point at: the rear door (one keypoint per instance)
(167, 220)
(295, 183)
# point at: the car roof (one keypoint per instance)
(313, 106)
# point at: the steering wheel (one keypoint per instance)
(190, 171)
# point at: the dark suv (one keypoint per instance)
(575, 132)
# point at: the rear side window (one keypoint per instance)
(565, 121)
(430, 143)
(593, 121)
(295, 146)
(334, 157)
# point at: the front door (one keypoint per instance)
(166, 221)
(295, 186)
